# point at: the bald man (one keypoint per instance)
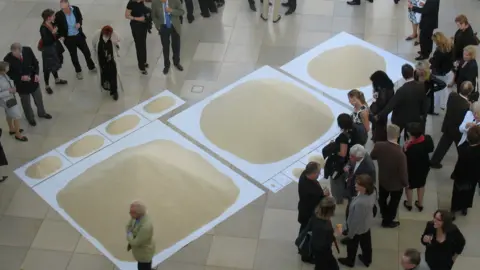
(140, 236)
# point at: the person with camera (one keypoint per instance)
(138, 14)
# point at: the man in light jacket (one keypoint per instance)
(140, 236)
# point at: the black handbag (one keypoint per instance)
(13, 101)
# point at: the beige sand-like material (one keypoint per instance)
(123, 124)
(182, 191)
(318, 159)
(84, 146)
(159, 105)
(346, 67)
(44, 167)
(265, 121)
(297, 172)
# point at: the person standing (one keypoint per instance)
(166, 17)
(432, 85)
(441, 65)
(382, 92)
(392, 175)
(9, 103)
(69, 22)
(417, 149)
(206, 7)
(140, 236)
(190, 9)
(52, 50)
(457, 106)
(105, 44)
(359, 223)
(428, 24)
(467, 70)
(23, 70)
(409, 102)
(463, 37)
(136, 12)
(465, 175)
(472, 118)
(414, 18)
(443, 241)
(360, 116)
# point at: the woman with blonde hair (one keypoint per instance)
(360, 116)
(441, 65)
(432, 85)
(467, 70)
(9, 102)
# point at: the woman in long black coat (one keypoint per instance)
(3, 159)
(417, 149)
(465, 174)
(383, 92)
(467, 70)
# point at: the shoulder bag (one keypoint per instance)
(12, 101)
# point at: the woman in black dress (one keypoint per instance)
(3, 159)
(417, 149)
(467, 70)
(323, 235)
(382, 92)
(465, 174)
(443, 241)
(52, 50)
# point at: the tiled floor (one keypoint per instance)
(215, 52)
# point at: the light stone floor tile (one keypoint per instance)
(170, 265)
(246, 223)
(85, 247)
(196, 252)
(26, 203)
(232, 252)
(242, 53)
(56, 235)
(11, 258)
(277, 254)
(46, 259)
(91, 262)
(18, 232)
(271, 228)
(210, 52)
(285, 199)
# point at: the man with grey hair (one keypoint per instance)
(412, 260)
(140, 236)
(392, 175)
(24, 70)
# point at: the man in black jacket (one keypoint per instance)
(409, 102)
(428, 24)
(24, 71)
(457, 107)
(69, 22)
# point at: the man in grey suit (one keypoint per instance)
(166, 17)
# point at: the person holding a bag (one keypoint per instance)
(52, 50)
(9, 102)
(23, 70)
(360, 116)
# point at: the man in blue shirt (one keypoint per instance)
(69, 23)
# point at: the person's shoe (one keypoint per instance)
(49, 90)
(220, 4)
(285, 5)
(411, 37)
(353, 3)
(22, 139)
(396, 1)
(408, 207)
(371, 1)
(179, 67)
(464, 212)
(214, 10)
(346, 262)
(418, 206)
(115, 96)
(60, 81)
(263, 18)
(253, 7)
(421, 58)
(13, 132)
(290, 11)
(360, 257)
(146, 65)
(94, 69)
(32, 123)
(277, 19)
(3, 179)
(391, 225)
(190, 19)
(416, 43)
(205, 15)
(45, 116)
(165, 70)
(79, 76)
(436, 166)
(144, 72)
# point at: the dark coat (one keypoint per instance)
(462, 39)
(322, 235)
(379, 127)
(52, 50)
(408, 104)
(62, 25)
(469, 72)
(27, 67)
(418, 162)
(457, 107)
(310, 193)
(466, 170)
(366, 167)
(441, 63)
(392, 165)
(429, 13)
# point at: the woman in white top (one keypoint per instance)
(105, 44)
(472, 118)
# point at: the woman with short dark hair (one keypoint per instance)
(359, 222)
(323, 235)
(382, 92)
(52, 50)
(417, 149)
(443, 241)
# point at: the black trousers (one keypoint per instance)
(365, 242)
(144, 265)
(389, 208)
(325, 261)
(426, 42)
(79, 42)
(442, 148)
(207, 6)
(167, 35)
(292, 4)
(46, 76)
(139, 33)
(189, 8)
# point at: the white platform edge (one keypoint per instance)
(61, 149)
(155, 130)
(154, 116)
